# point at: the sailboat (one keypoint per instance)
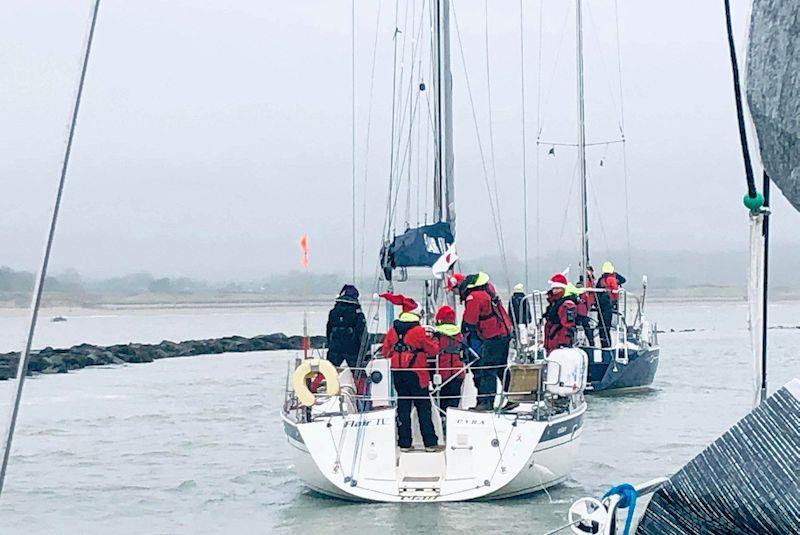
(344, 439)
(628, 357)
(746, 481)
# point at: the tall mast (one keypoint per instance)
(444, 187)
(584, 218)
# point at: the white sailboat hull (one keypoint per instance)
(486, 456)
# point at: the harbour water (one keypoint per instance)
(195, 445)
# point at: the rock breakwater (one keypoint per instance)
(49, 360)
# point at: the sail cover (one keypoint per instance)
(773, 90)
(419, 247)
(746, 482)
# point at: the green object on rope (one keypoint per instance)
(754, 203)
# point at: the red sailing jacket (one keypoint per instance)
(488, 315)
(611, 285)
(449, 358)
(408, 346)
(559, 328)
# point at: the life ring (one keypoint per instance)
(307, 369)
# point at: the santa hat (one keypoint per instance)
(558, 281)
(445, 314)
(453, 281)
(408, 304)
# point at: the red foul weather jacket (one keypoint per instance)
(487, 313)
(610, 282)
(449, 358)
(559, 327)
(408, 346)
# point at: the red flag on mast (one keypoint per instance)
(304, 247)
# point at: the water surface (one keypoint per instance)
(195, 445)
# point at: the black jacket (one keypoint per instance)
(345, 331)
(520, 309)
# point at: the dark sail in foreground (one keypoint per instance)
(746, 482)
(773, 91)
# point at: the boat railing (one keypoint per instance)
(361, 398)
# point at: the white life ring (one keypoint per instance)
(307, 369)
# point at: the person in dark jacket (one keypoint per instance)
(608, 300)
(346, 328)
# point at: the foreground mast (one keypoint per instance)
(584, 216)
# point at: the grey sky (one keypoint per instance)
(212, 134)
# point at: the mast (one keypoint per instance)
(584, 216)
(444, 187)
(443, 184)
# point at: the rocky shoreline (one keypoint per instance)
(49, 360)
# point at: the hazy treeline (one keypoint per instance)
(723, 273)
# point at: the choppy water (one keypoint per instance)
(195, 445)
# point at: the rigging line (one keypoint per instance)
(399, 96)
(555, 64)
(748, 168)
(609, 142)
(619, 68)
(524, 141)
(538, 132)
(407, 103)
(599, 217)
(366, 148)
(572, 182)
(353, 121)
(401, 169)
(495, 216)
(36, 299)
(624, 146)
(604, 63)
(489, 93)
(388, 221)
(491, 132)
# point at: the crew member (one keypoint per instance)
(561, 313)
(346, 328)
(449, 362)
(520, 313)
(408, 345)
(608, 300)
(586, 300)
(485, 320)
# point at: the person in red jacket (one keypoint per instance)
(488, 330)
(408, 346)
(450, 366)
(561, 314)
(608, 301)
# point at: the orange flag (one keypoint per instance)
(304, 247)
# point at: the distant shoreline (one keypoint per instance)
(65, 303)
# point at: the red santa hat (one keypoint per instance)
(445, 314)
(453, 281)
(559, 280)
(408, 304)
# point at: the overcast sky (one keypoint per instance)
(212, 134)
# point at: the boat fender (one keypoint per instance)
(307, 369)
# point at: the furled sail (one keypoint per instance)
(773, 90)
(417, 247)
